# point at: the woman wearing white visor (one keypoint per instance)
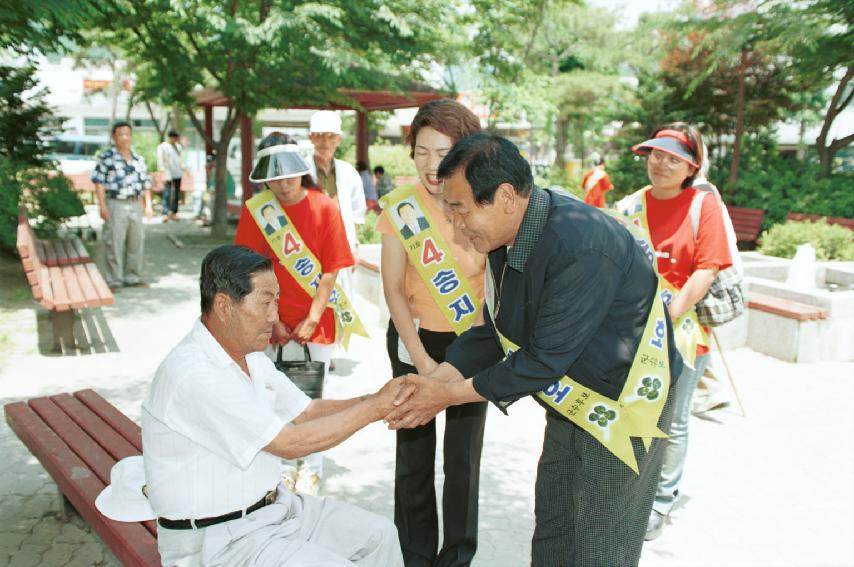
(300, 228)
(687, 232)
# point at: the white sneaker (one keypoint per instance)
(713, 401)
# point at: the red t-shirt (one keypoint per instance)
(595, 195)
(679, 255)
(318, 221)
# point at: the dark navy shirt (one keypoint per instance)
(574, 293)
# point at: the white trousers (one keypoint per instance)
(297, 531)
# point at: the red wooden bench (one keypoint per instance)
(785, 307)
(62, 278)
(747, 224)
(77, 439)
(847, 223)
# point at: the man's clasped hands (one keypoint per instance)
(418, 398)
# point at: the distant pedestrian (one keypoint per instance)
(596, 183)
(368, 185)
(121, 182)
(171, 167)
(383, 182)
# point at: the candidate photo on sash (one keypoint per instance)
(409, 218)
(270, 219)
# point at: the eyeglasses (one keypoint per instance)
(665, 159)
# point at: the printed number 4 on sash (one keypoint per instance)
(431, 254)
(291, 244)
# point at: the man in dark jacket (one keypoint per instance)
(569, 293)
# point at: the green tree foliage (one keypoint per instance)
(43, 25)
(812, 40)
(26, 179)
(270, 53)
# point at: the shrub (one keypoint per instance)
(368, 233)
(393, 157)
(831, 242)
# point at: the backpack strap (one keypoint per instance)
(696, 207)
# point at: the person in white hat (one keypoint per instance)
(303, 319)
(336, 177)
(216, 424)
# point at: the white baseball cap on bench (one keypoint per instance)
(123, 500)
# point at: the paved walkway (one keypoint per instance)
(772, 489)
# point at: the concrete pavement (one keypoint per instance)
(770, 489)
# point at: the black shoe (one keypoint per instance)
(655, 528)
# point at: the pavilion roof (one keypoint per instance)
(369, 100)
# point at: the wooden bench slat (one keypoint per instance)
(90, 296)
(131, 543)
(785, 307)
(80, 252)
(72, 286)
(46, 290)
(49, 255)
(107, 438)
(24, 238)
(78, 440)
(61, 252)
(61, 300)
(104, 291)
(119, 423)
(108, 412)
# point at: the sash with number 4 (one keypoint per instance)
(430, 255)
(301, 263)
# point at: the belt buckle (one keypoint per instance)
(270, 497)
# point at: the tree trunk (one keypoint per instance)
(837, 104)
(739, 123)
(561, 141)
(219, 223)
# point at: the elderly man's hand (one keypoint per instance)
(385, 397)
(420, 399)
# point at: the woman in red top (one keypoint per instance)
(691, 246)
(316, 218)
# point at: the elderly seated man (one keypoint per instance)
(217, 422)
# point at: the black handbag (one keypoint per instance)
(306, 374)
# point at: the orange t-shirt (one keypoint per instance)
(595, 195)
(679, 255)
(318, 221)
(470, 262)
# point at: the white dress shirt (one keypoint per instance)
(204, 423)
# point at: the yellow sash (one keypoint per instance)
(432, 258)
(687, 330)
(637, 410)
(286, 242)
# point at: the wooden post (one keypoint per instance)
(246, 155)
(362, 137)
(208, 129)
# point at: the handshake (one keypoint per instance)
(412, 400)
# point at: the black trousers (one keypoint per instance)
(415, 513)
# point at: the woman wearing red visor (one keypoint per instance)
(687, 232)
